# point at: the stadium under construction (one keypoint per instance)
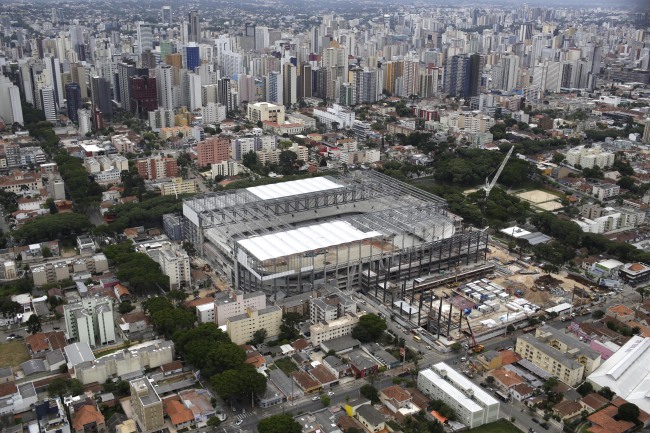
(360, 229)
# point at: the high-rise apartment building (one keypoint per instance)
(157, 167)
(212, 150)
(90, 321)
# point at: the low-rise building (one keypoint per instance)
(322, 331)
(236, 303)
(605, 191)
(472, 405)
(146, 405)
(371, 418)
(88, 419)
(559, 354)
(125, 363)
(635, 274)
(242, 327)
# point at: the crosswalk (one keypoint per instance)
(243, 415)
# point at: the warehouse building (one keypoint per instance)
(358, 229)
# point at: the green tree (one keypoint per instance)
(557, 158)
(279, 424)
(169, 321)
(550, 384)
(213, 421)
(259, 336)
(34, 324)
(177, 296)
(607, 393)
(597, 314)
(456, 346)
(240, 382)
(370, 392)
(158, 303)
(369, 328)
(629, 412)
(226, 356)
(250, 159)
(125, 307)
(585, 388)
(490, 380)
(326, 400)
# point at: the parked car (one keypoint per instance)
(535, 420)
(239, 422)
(544, 425)
(330, 393)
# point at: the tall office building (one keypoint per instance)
(166, 15)
(100, 90)
(144, 96)
(124, 72)
(194, 27)
(289, 84)
(191, 56)
(73, 100)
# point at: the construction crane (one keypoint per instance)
(476, 348)
(489, 185)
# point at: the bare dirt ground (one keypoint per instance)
(526, 282)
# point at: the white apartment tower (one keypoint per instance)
(90, 321)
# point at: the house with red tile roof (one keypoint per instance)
(88, 418)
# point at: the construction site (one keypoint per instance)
(471, 304)
(359, 229)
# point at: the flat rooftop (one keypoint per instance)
(305, 239)
(294, 187)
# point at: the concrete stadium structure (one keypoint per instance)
(360, 229)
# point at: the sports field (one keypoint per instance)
(537, 196)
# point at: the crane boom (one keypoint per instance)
(489, 185)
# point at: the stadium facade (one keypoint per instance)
(360, 229)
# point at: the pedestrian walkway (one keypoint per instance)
(244, 415)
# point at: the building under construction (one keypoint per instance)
(359, 229)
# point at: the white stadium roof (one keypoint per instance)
(626, 372)
(294, 187)
(304, 239)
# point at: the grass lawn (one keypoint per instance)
(286, 365)
(12, 353)
(501, 426)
